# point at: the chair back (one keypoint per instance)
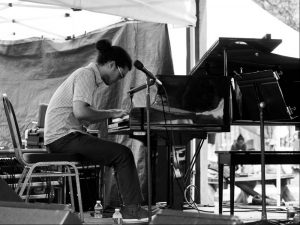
(13, 127)
(41, 115)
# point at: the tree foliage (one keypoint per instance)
(285, 10)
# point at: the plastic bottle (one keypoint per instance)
(290, 211)
(98, 210)
(296, 219)
(117, 217)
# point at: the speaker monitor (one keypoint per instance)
(36, 213)
(168, 216)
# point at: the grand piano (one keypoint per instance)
(258, 77)
(223, 89)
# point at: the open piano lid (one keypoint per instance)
(244, 55)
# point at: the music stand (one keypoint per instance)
(262, 89)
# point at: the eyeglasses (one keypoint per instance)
(120, 72)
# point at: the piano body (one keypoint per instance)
(184, 104)
(219, 91)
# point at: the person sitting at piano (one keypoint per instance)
(71, 108)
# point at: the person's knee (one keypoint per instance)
(125, 155)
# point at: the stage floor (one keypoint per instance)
(88, 220)
(246, 213)
(250, 213)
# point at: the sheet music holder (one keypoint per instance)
(263, 85)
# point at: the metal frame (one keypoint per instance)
(50, 168)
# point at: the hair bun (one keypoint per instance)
(103, 45)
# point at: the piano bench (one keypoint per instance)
(233, 158)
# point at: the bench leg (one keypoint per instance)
(232, 181)
(220, 181)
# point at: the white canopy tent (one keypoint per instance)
(27, 20)
(22, 19)
(177, 12)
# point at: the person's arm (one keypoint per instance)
(83, 111)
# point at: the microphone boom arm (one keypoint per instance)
(141, 87)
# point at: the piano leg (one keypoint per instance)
(220, 180)
(161, 172)
(232, 181)
(168, 185)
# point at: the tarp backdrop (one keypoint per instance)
(32, 69)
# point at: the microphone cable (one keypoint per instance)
(189, 171)
(172, 140)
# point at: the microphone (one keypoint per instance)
(141, 67)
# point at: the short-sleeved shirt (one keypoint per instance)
(60, 120)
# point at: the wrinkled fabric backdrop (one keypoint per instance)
(32, 69)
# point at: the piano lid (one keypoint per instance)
(244, 55)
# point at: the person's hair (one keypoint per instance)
(240, 137)
(108, 52)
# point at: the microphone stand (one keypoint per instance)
(148, 151)
(139, 88)
(264, 220)
(262, 106)
(149, 83)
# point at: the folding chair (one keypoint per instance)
(38, 164)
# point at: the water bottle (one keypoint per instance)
(98, 210)
(290, 211)
(117, 217)
(296, 219)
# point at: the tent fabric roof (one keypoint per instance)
(176, 12)
(22, 20)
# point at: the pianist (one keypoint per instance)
(71, 109)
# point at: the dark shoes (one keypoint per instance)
(134, 212)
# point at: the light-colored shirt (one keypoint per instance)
(79, 86)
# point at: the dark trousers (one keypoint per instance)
(105, 153)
